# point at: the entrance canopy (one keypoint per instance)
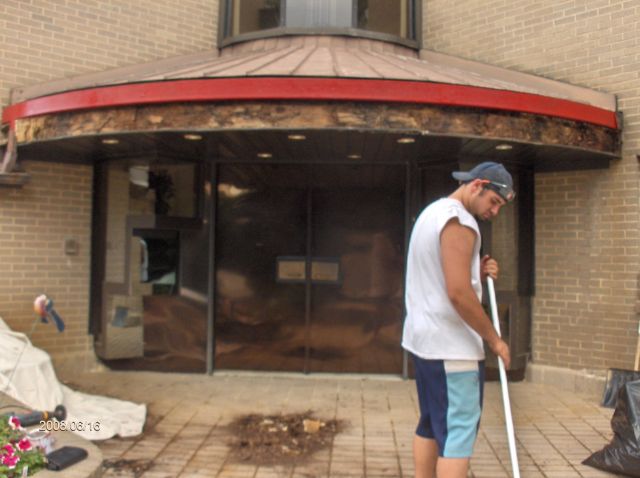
(370, 94)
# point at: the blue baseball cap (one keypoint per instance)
(499, 178)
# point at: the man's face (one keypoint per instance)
(486, 203)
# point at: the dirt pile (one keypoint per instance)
(280, 439)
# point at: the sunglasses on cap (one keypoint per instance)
(502, 189)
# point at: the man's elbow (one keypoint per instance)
(456, 295)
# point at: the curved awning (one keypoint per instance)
(328, 71)
(309, 89)
(432, 77)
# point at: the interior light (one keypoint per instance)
(406, 140)
(354, 156)
(297, 137)
(504, 147)
(265, 155)
(110, 141)
(139, 175)
(231, 190)
(193, 137)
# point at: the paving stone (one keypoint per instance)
(186, 434)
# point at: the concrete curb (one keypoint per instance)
(585, 382)
(91, 467)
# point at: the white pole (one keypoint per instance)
(511, 436)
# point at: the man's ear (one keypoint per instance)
(478, 184)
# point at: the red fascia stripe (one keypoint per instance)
(308, 89)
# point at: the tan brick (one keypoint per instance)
(586, 223)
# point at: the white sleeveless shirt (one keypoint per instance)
(433, 329)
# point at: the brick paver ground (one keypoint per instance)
(185, 437)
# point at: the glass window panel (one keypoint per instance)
(139, 199)
(319, 13)
(150, 320)
(149, 189)
(117, 209)
(159, 252)
(383, 16)
(254, 15)
(172, 189)
(390, 17)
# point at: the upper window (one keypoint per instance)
(392, 20)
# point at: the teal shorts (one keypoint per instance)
(450, 394)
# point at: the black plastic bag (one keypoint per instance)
(65, 457)
(622, 455)
(616, 378)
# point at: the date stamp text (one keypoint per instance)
(68, 425)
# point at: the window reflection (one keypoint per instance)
(319, 13)
(145, 319)
(159, 252)
(163, 190)
(253, 15)
(392, 17)
(383, 16)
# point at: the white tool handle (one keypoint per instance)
(503, 383)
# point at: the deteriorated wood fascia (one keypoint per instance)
(380, 117)
(10, 153)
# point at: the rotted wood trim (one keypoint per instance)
(392, 118)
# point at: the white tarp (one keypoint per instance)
(27, 375)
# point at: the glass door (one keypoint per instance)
(357, 231)
(260, 267)
(153, 308)
(309, 268)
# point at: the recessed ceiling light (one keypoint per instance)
(265, 155)
(110, 141)
(406, 140)
(193, 137)
(354, 156)
(297, 137)
(504, 147)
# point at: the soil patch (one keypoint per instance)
(280, 439)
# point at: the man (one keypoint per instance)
(446, 322)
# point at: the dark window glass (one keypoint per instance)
(163, 190)
(247, 16)
(384, 16)
(159, 252)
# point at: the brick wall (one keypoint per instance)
(587, 223)
(35, 221)
(41, 40)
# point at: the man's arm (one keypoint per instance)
(456, 245)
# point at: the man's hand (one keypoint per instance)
(488, 267)
(501, 349)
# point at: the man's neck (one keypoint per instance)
(459, 195)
